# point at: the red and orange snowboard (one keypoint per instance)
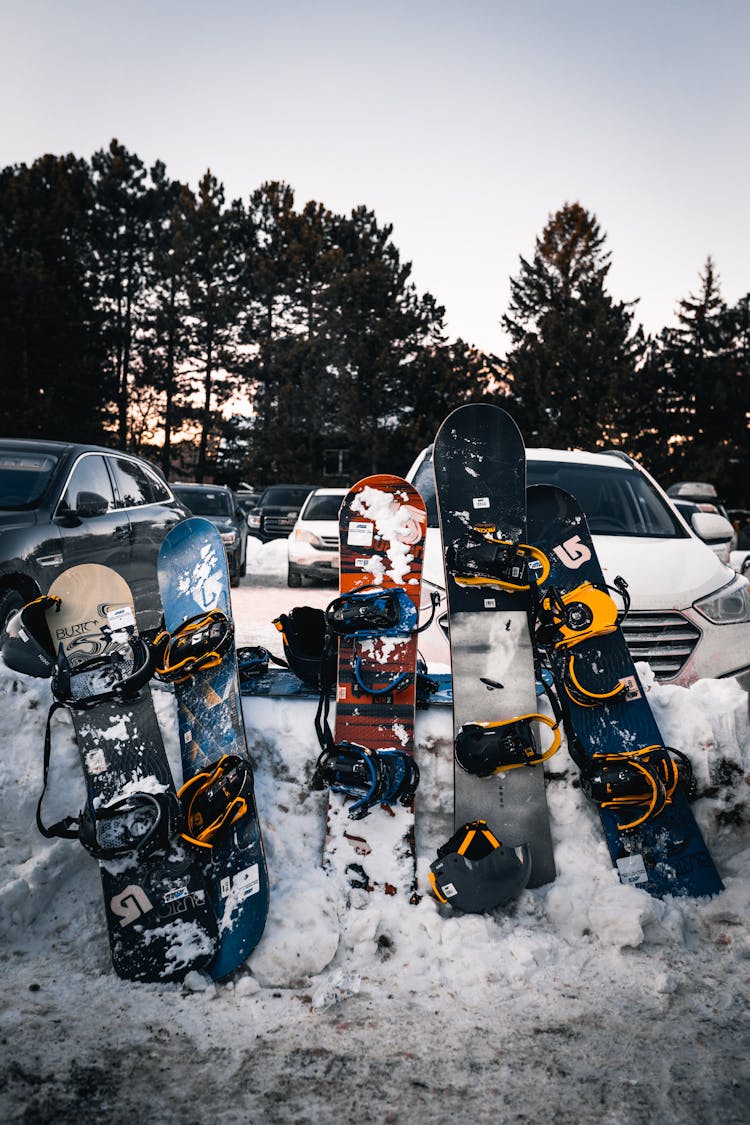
(382, 526)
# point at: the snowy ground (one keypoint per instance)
(586, 1001)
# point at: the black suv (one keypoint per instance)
(277, 511)
(217, 503)
(63, 504)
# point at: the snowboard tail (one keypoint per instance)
(638, 783)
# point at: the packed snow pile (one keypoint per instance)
(583, 1000)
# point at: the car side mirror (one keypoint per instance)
(90, 504)
(711, 527)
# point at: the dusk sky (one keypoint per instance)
(464, 124)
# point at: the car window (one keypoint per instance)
(24, 478)
(289, 497)
(90, 475)
(205, 501)
(616, 501)
(322, 508)
(135, 485)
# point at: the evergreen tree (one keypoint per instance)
(51, 358)
(574, 355)
(122, 205)
(706, 363)
(214, 263)
(165, 343)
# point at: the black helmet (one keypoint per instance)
(303, 632)
(475, 873)
(28, 645)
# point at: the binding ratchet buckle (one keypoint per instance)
(484, 560)
(570, 619)
(215, 799)
(484, 749)
(644, 779)
(199, 643)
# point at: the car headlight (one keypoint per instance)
(303, 536)
(229, 537)
(253, 520)
(728, 606)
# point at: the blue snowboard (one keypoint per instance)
(193, 578)
(666, 853)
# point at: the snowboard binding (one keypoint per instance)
(475, 873)
(304, 636)
(372, 612)
(27, 644)
(645, 780)
(200, 643)
(374, 777)
(571, 619)
(487, 748)
(484, 560)
(136, 825)
(118, 674)
(215, 799)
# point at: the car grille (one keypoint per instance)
(663, 640)
(330, 542)
(274, 524)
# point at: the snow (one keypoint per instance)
(583, 1001)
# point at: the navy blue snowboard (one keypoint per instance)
(666, 854)
(193, 578)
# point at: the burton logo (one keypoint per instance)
(131, 904)
(573, 553)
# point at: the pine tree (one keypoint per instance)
(706, 363)
(51, 354)
(574, 355)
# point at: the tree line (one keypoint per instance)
(259, 340)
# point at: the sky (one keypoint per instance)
(464, 124)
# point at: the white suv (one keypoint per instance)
(313, 546)
(690, 614)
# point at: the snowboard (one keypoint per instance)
(159, 918)
(280, 683)
(193, 581)
(382, 525)
(608, 717)
(480, 479)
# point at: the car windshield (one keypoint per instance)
(322, 508)
(616, 501)
(285, 497)
(24, 478)
(205, 502)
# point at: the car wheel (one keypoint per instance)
(234, 578)
(293, 578)
(10, 603)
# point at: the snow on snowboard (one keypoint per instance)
(368, 760)
(502, 838)
(637, 782)
(197, 654)
(160, 921)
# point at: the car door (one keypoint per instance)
(152, 512)
(92, 527)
